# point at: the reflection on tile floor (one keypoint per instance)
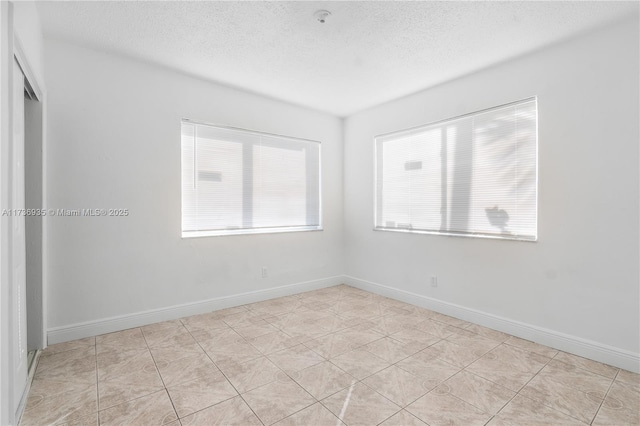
(334, 356)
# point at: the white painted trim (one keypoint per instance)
(25, 395)
(576, 345)
(18, 52)
(7, 403)
(123, 322)
(45, 222)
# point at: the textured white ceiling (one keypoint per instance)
(365, 54)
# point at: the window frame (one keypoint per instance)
(257, 230)
(451, 233)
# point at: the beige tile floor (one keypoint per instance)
(328, 357)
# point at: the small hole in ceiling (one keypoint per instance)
(322, 15)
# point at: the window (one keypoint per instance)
(474, 175)
(238, 181)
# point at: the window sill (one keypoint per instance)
(228, 232)
(507, 237)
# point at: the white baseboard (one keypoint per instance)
(586, 348)
(123, 322)
(578, 346)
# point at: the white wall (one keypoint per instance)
(581, 278)
(114, 142)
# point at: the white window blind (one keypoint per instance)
(474, 175)
(238, 181)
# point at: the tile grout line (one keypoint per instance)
(524, 396)
(325, 360)
(223, 373)
(155, 364)
(402, 408)
(317, 401)
(516, 393)
(583, 369)
(604, 397)
(361, 381)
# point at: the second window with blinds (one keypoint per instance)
(473, 175)
(238, 181)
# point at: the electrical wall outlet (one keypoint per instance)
(434, 281)
(264, 272)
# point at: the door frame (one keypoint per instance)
(36, 94)
(10, 48)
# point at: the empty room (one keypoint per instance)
(319, 213)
